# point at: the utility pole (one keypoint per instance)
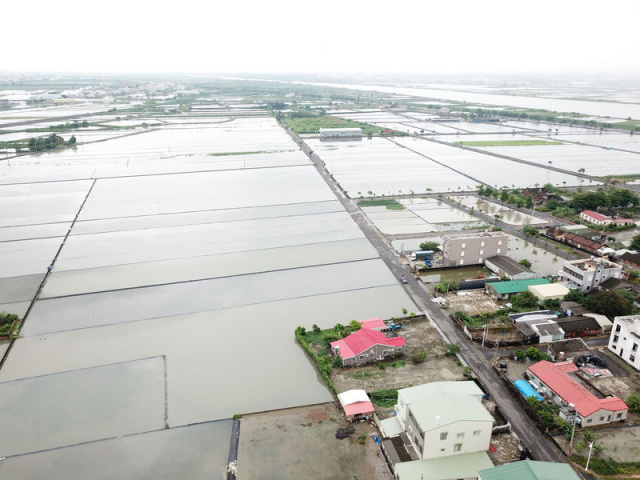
(586, 468)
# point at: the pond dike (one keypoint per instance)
(233, 450)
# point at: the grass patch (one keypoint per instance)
(507, 143)
(627, 125)
(385, 398)
(390, 203)
(313, 124)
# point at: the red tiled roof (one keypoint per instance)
(372, 323)
(556, 377)
(623, 220)
(364, 339)
(595, 215)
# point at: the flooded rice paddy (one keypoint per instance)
(182, 261)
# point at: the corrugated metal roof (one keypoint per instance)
(529, 470)
(465, 465)
(517, 286)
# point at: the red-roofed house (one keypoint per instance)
(595, 217)
(356, 404)
(368, 345)
(553, 380)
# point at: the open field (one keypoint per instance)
(300, 443)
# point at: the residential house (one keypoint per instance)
(584, 231)
(473, 248)
(502, 290)
(575, 240)
(368, 345)
(579, 326)
(438, 428)
(537, 327)
(630, 259)
(589, 274)
(356, 404)
(556, 382)
(596, 218)
(529, 470)
(504, 266)
(625, 338)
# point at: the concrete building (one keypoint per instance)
(473, 248)
(504, 266)
(548, 291)
(340, 132)
(558, 383)
(625, 338)
(437, 427)
(587, 275)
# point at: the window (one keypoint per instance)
(460, 435)
(457, 447)
(399, 349)
(477, 432)
(481, 252)
(480, 260)
(619, 415)
(615, 338)
(614, 346)
(482, 244)
(602, 419)
(635, 347)
(463, 245)
(499, 242)
(618, 328)
(589, 421)
(462, 254)
(461, 262)
(632, 358)
(361, 357)
(498, 251)
(443, 435)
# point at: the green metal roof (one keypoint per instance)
(465, 465)
(516, 286)
(530, 470)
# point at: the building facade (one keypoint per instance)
(473, 248)
(589, 274)
(625, 338)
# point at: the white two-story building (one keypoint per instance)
(625, 338)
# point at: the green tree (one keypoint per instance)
(633, 401)
(611, 304)
(525, 299)
(504, 196)
(435, 246)
(575, 296)
(635, 242)
(533, 353)
(529, 202)
(530, 231)
(525, 263)
(337, 361)
(354, 326)
(419, 356)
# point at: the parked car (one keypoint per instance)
(403, 279)
(598, 362)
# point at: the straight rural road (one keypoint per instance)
(541, 447)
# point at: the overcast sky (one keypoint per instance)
(349, 36)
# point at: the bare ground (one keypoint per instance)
(419, 335)
(473, 302)
(300, 443)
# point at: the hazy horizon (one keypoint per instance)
(496, 37)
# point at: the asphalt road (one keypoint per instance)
(541, 447)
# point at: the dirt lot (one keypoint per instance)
(420, 335)
(300, 443)
(473, 302)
